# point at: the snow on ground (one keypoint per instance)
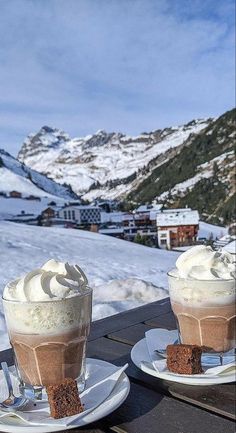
(208, 230)
(10, 181)
(15, 206)
(15, 175)
(123, 274)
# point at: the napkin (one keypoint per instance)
(160, 338)
(100, 382)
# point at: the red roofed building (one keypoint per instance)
(177, 227)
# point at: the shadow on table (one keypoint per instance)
(140, 402)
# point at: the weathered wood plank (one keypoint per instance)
(130, 335)
(7, 355)
(131, 317)
(166, 321)
(146, 411)
(109, 350)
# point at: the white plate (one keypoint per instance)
(139, 354)
(114, 400)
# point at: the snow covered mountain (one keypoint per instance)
(189, 165)
(106, 165)
(15, 176)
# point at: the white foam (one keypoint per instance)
(201, 293)
(50, 299)
(49, 317)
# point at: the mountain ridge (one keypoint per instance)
(102, 159)
(176, 165)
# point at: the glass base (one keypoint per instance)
(33, 392)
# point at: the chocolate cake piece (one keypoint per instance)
(63, 399)
(184, 358)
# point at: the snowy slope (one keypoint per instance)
(16, 176)
(10, 207)
(123, 274)
(103, 164)
(211, 231)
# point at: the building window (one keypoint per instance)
(65, 214)
(69, 216)
(73, 214)
(163, 241)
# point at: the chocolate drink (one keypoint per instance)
(48, 359)
(202, 294)
(213, 328)
(48, 315)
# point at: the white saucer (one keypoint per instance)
(141, 358)
(115, 399)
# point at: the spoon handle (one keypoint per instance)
(7, 377)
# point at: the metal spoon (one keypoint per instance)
(12, 402)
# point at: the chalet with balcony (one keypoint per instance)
(177, 227)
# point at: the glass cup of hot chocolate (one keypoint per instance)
(48, 316)
(202, 295)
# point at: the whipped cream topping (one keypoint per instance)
(53, 281)
(203, 263)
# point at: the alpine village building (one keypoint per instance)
(177, 227)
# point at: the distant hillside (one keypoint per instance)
(16, 176)
(201, 175)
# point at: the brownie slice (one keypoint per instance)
(63, 399)
(184, 358)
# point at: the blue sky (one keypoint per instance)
(123, 65)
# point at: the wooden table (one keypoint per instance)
(153, 405)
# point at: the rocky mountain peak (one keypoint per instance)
(100, 138)
(43, 140)
(48, 129)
